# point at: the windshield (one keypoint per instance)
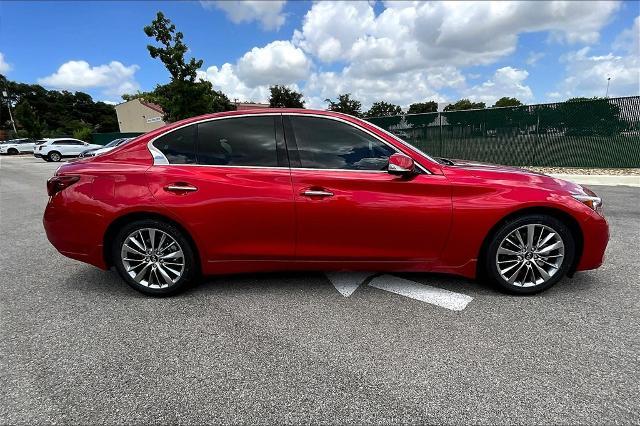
(114, 142)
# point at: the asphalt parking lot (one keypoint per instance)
(79, 346)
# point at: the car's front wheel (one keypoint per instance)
(54, 156)
(154, 257)
(530, 254)
(12, 151)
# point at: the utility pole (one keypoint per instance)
(13, 123)
(606, 95)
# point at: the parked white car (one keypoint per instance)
(59, 148)
(17, 146)
(108, 147)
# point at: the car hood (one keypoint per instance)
(512, 175)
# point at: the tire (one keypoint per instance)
(537, 265)
(54, 156)
(169, 269)
(12, 151)
(46, 159)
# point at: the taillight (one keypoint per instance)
(58, 183)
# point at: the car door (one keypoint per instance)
(229, 181)
(26, 145)
(349, 208)
(75, 147)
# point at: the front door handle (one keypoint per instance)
(180, 187)
(317, 193)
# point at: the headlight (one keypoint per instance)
(589, 199)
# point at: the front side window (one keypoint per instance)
(330, 144)
(243, 141)
(179, 146)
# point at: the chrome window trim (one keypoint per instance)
(159, 159)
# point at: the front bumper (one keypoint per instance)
(595, 240)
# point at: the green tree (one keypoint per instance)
(83, 133)
(28, 120)
(172, 54)
(383, 109)
(54, 113)
(183, 96)
(595, 116)
(346, 105)
(464, 104)
(507, 102)
(423, 107)
(283, 97)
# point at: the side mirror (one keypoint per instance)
(400, 164)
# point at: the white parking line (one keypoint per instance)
(347, 282)
(424, 293)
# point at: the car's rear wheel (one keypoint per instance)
(154, 257)
(12, 151)
(54, 156)
(530, 254)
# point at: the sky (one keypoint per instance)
(399, 51)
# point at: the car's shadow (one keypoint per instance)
(93, 280)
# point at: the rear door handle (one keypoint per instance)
(180, 187)
(317, 193)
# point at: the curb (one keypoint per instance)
(608, 180)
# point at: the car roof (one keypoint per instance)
(59, 139)
(253, 111)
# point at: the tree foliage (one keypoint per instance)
(507, 102)
(173, 50)
(39, 112)
(464, 104)
(383, 109)
(184, 96)
(283, 97)
(423, 107)
(346, 105)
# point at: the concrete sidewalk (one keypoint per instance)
(608, 180)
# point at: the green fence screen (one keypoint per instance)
(586, 133)
(105, 138)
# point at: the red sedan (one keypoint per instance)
(291, 189)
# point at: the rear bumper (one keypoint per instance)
(75, 233)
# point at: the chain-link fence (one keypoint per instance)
(585, 133)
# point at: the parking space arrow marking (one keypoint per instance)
(347, 282)
(424, 293)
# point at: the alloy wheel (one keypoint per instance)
(530, 255)
(152, 258)
(54, 156)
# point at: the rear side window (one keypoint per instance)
(243, 141)
(330, 144)
(179, 146)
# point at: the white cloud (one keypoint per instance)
(587, 73)
(4, 66)
(534, 57)
(224, 78)
(412, 35)
(409, 52)
(114, 78)
(278, 62)
(506, 81)
(268, 13)
(401, 88)
(331, 28)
